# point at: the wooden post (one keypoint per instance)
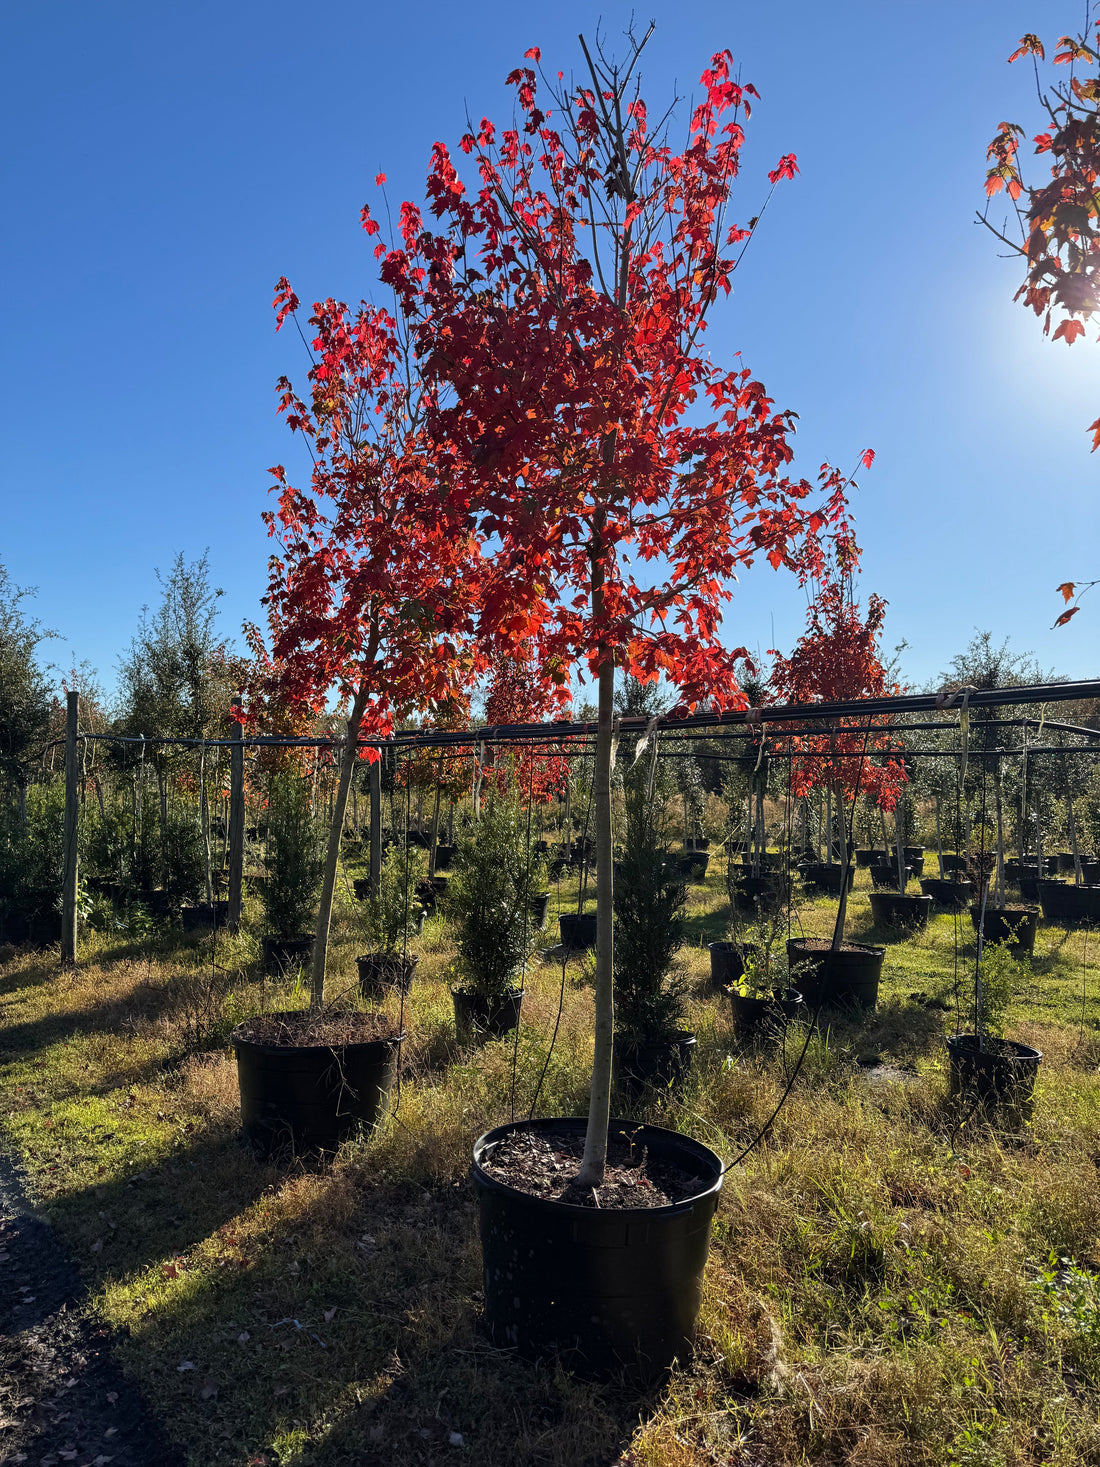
(236, 822)
(72, 813)
(376, 825)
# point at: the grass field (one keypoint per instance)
(890, 1281)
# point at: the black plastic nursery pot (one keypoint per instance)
(1015, 925)
(361, 887)
(700, 843)
(426, 895)
(1070, 905)
(606, 1289)
(947, 896)
(826, 875)
(848, 977)
(1002, 1072)
(1090, 870)
(693, 867)
(308, 1098)
(883, 878)
(950, 863)
(868, 856)
(891, 909)
(913, 857)
(478, 1018)
(577, 932)
(205, 916)
(755, 893)
(538, 906)
(727, 963)
(444, 857)
(1029, 887)
(643, 1065)
(282, 955)
(1065, 861)
(379, 972)
(765, 1017)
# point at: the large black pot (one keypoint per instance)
(1003, 1074)
(282, 955)
(700, 843)
(764, 1018)
(205, 916)
(869, 856)
(643, 1065)
(1070, 905)
(361, 887)
(577, 932)
(310, 1097)
(849, 976)
(885, 878)
(726, 963)
(755, 893)
(478, 1018)
(1090, 870)
(829, 877)
(947, 896)
(444, 857)
(950, 863)
(693, 867)
(1065, 861)
(606, 1288)
(1015, 925)
(379, 972)
(891, 909)
(1029, 887)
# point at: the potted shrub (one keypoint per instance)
(295, 865)
(762, 998)
(652, 1048)
(489, 904)
(984, 1064)
(390, 918)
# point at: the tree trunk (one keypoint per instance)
(999, 887)
(332, 858)
(23, 803)
(1078, 874)
(435, 821)
(599, 1109)
(899, 841)
(204, 822)
(939, 837)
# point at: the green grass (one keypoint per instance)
(890, 1282)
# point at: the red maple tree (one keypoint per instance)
(371, 594)
(559, 306)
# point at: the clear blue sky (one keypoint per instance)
(165, 164)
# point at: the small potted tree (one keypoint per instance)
(762, 997)
(295, 867)
(390, 918)
(652, 1048)
(489, 903)
(983, 1064)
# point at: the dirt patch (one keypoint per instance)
(63, 1398)
(545, 1164)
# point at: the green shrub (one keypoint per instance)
(386, 916)
(296, 860)
(488, 899)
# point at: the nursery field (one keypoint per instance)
(893, 1278)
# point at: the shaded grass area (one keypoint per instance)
(892, 1280)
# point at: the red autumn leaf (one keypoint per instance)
(1094, 429)
(868, 457)
(1066, 615)
(1069, 331)
(1067, 589)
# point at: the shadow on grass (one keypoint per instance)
(45, 968)
(353, 1339)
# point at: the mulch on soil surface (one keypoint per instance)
(63, 1398)
(545, 1164)
(325, 1029)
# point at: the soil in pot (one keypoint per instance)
(645, 1065)
(577, 932)
(379, 972)
(999, 1073)
(306, 1084)
(478, 1019)
(885, 878)
(283, 955)
(891, 909)
(608, 1282)
(1015, 925)
(764, 1017)
(947, 896)
(848, 977)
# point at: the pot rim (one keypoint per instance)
(497, 998)
(1023, 1051)
(569, 1209)
(863, 948)
(239, 1040)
